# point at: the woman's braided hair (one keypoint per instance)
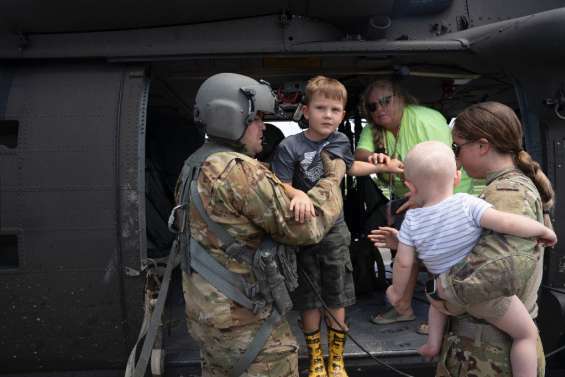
(499, 124)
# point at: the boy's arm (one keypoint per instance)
(517, 225)
(300, 203)
(403, 264)
(361, 168)
(290, 191)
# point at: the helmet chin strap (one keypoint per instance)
(236, 145)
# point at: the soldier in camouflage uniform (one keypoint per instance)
(488, 143)
(249, 201)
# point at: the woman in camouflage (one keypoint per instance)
(488, 144)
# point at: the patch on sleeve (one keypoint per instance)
(507, 186)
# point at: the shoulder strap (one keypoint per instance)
(229, 283)
(256, 344)
(219, 231)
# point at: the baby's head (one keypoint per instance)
(430, 171)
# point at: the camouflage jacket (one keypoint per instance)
(245, 197)
(500, 264)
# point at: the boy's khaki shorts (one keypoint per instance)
(489, 310)
(329, 269)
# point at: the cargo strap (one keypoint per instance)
(151, 321)
(229, 283)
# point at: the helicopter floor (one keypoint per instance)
(397, 341)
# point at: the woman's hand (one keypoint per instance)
(302, 206)
(410, 203)
(439, 305)
(378, 158)
(384, 237)
(549, 238)
(394, 166)
(387, 164)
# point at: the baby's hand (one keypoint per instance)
(302, 206)
(549, 238)
(384, 237)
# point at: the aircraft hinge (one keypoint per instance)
(285, 18)
(131, 271)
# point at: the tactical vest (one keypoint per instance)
(273, 265)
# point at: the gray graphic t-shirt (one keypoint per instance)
(297, 159)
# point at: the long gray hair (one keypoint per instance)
(397, 90)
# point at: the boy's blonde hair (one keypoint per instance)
(326, 86)
(430, 164)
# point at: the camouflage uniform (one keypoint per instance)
(499, 265)
(249, 201)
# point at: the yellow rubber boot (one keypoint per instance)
(336, 345)
(314, 344)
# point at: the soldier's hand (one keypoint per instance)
(549, 238)
(394, 166)
(334, 169)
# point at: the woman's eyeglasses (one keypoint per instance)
(383, 101)
(456, 148)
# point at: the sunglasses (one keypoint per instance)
(456, 148)
(383, 101)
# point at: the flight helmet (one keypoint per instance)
(226, 103)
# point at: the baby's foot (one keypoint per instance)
(428, 351)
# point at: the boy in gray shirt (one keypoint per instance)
(327, 264)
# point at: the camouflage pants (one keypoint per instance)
(463, 356)
(221, 349)
(478, 279)
(223, 331)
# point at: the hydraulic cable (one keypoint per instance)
(557, 350)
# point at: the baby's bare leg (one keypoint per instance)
(436, 320)
(517, 323)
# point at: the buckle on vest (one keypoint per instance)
(238, 251)
(251, 290)
(172, 219)
(257, 306)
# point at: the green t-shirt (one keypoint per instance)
(418, 124)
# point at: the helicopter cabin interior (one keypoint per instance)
(171, 136)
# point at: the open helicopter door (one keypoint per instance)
(552, 295)
(72, 233)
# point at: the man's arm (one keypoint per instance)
(517, 225)
(256, 194)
